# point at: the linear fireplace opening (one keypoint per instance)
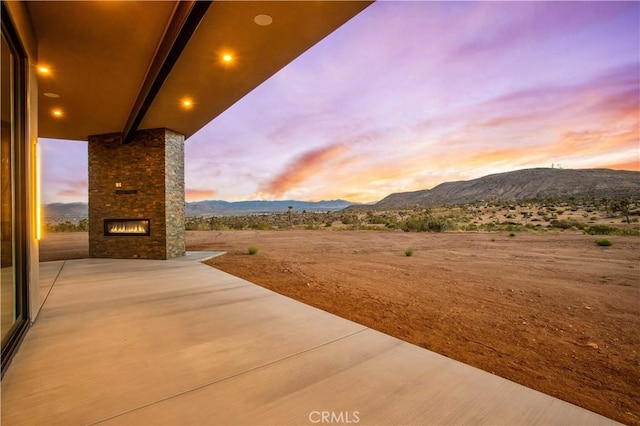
(127, 227)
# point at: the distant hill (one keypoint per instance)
(60, 212)
(522, 185)
(516, 185)
(226, 208)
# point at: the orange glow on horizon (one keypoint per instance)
(633, 166)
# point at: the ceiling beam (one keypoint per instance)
(186, 18)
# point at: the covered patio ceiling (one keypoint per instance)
(115, 66)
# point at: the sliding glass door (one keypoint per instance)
(7, 181)
(13, 256)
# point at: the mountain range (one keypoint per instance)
(517, 185)
(522, 185)
(227, 208)
(60, 212)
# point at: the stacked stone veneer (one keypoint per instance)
(150, 172)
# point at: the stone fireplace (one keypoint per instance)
(136, 195)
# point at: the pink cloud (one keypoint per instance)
(77, 189)
(507, 120)
(597, 141)
(302, 169)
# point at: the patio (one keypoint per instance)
(178, 342)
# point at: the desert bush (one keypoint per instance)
(439, 225)
(378, 219)
(611, 230)
(513, 228)
(512, 234)
(252, 250)
(490, 227)
(348, 220)
(603, 242)
(215, 224)
(260, 226)
(236, 223)
(408, 252)
(601, 230)
(414, 224)
(567, 224)
(67, 226)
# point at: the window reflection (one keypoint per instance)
(7, 250)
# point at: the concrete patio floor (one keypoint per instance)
(177, 342)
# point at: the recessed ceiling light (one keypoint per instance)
(51, 95)
(227, 57)
(263, 20)
(56, 112)
(42, 69)
(186, 103)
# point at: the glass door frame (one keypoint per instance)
(19, 158)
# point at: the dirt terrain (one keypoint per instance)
(552, 311)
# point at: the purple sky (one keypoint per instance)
(407, 95)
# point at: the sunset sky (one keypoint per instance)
(407, 95)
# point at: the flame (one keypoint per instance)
(127, 228)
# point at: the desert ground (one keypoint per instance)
(552, 311)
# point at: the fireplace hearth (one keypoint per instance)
(127, 227)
